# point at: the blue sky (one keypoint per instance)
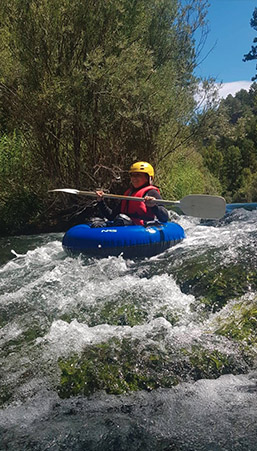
(231, 36)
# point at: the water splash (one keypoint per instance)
(53, 306)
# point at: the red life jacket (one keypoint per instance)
(136, 210)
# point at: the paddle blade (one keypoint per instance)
(203, 206)
(65, 190)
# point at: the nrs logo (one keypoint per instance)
(109, 230)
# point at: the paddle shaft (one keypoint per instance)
(121, 197)
(198, 205)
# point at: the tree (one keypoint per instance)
(249, 154)
(213, 159)
(98, 84)
(252, 54)
(232, 168)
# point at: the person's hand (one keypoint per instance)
(100, 196)
(150, 201)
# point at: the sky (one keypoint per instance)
(230, 37)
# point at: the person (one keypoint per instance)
(129, 212)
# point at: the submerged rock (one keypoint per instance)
(239, 322)
(120, 366)
(215, 285)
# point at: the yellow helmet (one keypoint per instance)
(142, 166)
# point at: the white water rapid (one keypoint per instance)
(53, 307)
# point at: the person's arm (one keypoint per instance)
(104, 209)
(158, 210)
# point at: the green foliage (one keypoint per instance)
(186, 175)
(229, 147)
(11, 159)
(248, 188)
(19, 201)
(92, 86)
(96, 85)
(90, 70)
(18, 208)
(185, 178)
(252, 55)
(232, 167)
(213, 159)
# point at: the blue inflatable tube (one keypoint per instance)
(130, 241)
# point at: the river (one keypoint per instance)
(144, 328)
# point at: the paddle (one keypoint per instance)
(197, 205)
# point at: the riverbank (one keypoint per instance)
(52, 216)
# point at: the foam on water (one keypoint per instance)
(208, 415)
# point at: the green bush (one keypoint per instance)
(12, 160)
(185, 174)
(18, 208)
(19, 184)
